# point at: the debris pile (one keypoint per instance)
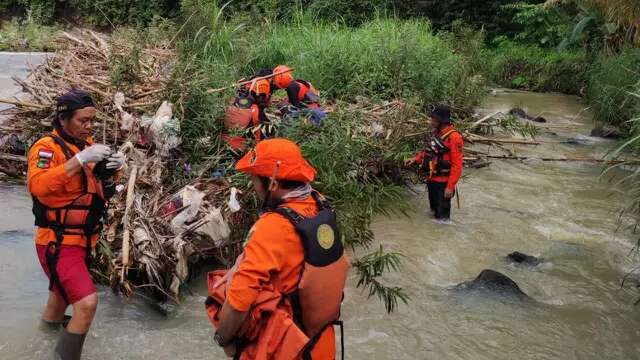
(155, 228)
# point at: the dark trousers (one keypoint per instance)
(440, 206)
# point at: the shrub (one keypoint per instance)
(383, 59)
(613, 88)
(533, 68)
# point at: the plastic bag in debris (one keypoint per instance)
(165, 129)
(216, 228)
(191, 198)
(127, 120)
(233, 203)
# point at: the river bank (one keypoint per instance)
(559, 211)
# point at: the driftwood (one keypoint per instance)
(533, 158)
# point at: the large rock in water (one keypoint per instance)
(493, 282)
(517, 257)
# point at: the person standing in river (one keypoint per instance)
(442, 161)
(70, 180)
(282, 298)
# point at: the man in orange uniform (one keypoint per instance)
(294, 246)
(443, 162)
(69, 197)
(247, 111)
(303, 98)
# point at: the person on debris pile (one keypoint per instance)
(248, 112)
(442, 160)
(303, 98)
(282, 298)
(70, 180)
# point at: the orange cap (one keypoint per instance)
(284, 76)
(279, 158)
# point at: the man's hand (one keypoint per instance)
(448, 193)
(409, 162)
(116, 161)
(93, 153)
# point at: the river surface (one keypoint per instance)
(561, 211)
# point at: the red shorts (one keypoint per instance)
(73, 274)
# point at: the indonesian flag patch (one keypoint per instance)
(44, 158)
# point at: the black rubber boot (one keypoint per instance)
(55, 325)
(69, 346)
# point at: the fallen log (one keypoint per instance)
(20, 158)
(484, 119)
(559, 159)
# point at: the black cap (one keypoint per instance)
(71, 101)
(442, 113)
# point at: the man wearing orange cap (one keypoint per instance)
(247, 112)
(303, 98)
(294, 247)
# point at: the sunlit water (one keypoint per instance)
(560, 211)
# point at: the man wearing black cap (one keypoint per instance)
(442, 160)
(70, 179)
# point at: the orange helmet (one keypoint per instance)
(260, 87)
(277, 158)
(283, 76)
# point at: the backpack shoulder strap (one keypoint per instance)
(448, 133)
(68, 153)
(289, 214)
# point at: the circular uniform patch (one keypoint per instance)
(325, 236)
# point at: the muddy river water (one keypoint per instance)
(561, 211)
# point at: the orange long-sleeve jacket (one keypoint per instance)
(47, 181)
(455, 143)
(274, 255)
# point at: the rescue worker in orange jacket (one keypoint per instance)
(294, 249)
(247, 111)
(303, 98)
(300, 93)
(69, 194)
(442, 160)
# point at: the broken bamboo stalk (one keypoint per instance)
(211, 91)
(131, 187)
(23, 103)
(5, 156)
(479, 122)
(559, 159)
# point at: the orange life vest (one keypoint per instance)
(243, 114)
(315, 303)
(307, 93)
(269, 332)
(317, 300)
(438, 163)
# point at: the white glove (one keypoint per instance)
(93, 153)
(116, 161)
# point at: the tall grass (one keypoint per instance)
(382, 59)
(613, 85)
(530, 67)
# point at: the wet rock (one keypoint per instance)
(607, 132)
(517, 257)
(495, 283)
(520, 113)
(479, 164)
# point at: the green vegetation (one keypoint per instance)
(20, 35)
(613, 87)
(532, 67)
